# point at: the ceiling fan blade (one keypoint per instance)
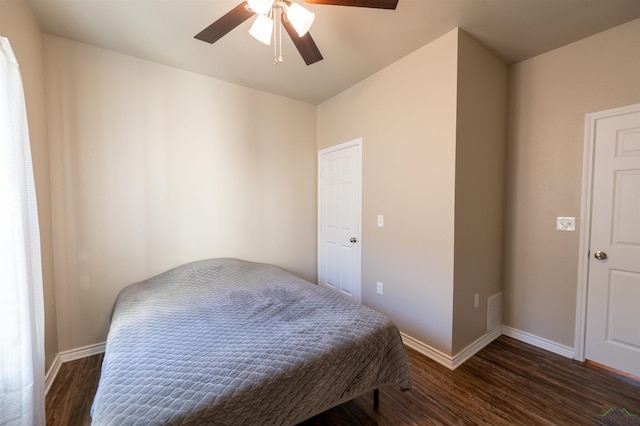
(305, 44)
(378, 4)
(226, 23)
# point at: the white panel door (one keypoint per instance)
(339, 207)
(613, 298)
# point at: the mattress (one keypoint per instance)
(230, 342)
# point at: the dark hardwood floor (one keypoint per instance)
(69, 399)
(508, 382)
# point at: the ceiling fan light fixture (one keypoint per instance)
(300, 18)
(261, 7)
(262, 29)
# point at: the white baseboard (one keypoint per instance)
(70, 355)
(475, 347)
(52, 373)
(538, 341)
(426, 350)
(455, 361)
(83, 352)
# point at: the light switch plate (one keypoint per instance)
(566, 224)
(380, 221)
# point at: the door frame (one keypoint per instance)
(349, 144)
(588, 162)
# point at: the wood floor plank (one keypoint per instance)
(69, 400)
(508, 382)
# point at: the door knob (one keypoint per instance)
(600, 255)
(353, 240)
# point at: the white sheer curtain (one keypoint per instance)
(21, 299)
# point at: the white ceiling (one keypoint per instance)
(355, 42)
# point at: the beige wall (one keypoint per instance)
(434, 132)
(479, 199)
(549, 97)
(18, 24)
(406, 116)
(153, 167)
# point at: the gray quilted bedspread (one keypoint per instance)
(230, 342)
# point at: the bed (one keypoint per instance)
(231, 342)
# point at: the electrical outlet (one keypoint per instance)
(566, 224)
(379, 288)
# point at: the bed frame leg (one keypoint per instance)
(376, 398)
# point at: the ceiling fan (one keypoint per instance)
(294, 18)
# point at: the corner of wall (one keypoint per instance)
(480, 152)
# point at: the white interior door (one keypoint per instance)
(613, 296)
(339, 220)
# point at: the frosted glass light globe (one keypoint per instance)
(260, 6)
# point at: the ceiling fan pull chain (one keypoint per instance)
(277, 44)
(280, 36)
(276, 24)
